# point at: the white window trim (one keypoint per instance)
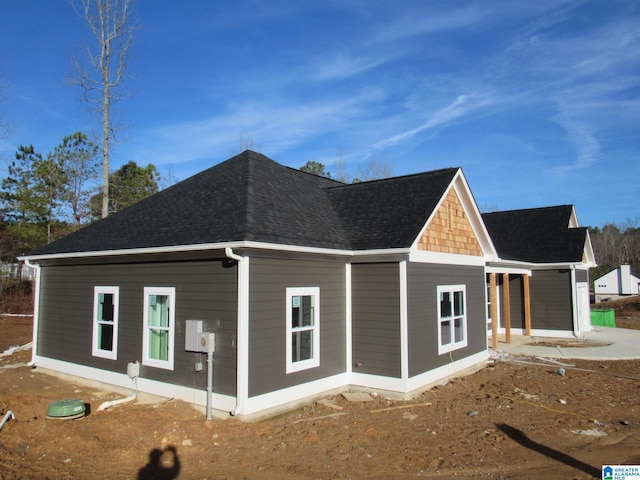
(315, 360)
(152, 362)
(453, 345)
(95, 350)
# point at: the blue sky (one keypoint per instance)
(538, 102)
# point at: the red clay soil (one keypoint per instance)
(508, 421)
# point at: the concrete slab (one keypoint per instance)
(602, 343)
(357, 397)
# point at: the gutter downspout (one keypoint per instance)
(574, 303)
(36, 310)
(242, 347)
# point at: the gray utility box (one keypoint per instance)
(195, 340)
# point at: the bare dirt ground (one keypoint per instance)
(627, 311)
(511, 420)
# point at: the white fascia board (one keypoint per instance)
(469, 203)
(218, 246)
(573, 219)
(510, 270)
(501, 265)
(425, 256)
(135, 251)
(588, 252)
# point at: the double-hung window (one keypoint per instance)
(303, 328)
(452, 318)
(159, 327)
(105, 322)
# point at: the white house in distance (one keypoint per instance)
(617, 283)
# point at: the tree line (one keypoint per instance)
(44, 197)
(615, 245)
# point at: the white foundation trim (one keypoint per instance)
(447, 371)
(286, 396)
(541, 333)
(194, 396)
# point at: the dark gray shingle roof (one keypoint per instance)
(539, 235)
(252, 198)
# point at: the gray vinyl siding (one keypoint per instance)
(516, 298)
(551, 300)
(205, 290)
(269, 279)
(375, 299)
(422, 308)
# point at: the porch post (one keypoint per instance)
(507, 308)
(493, 298)
(527, 305)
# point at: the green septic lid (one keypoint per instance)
(66, 409)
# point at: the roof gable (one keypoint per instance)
(449, 230)
(538, 235)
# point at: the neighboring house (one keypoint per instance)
(311, 287)
(542, 275)
(617, 283)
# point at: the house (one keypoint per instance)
(619, 282)
(541, 279)
(310, 286)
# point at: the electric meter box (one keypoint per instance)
(207, 342)
(193, 329)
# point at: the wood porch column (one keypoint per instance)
(527, 306)
(493, 298)
(507, 308)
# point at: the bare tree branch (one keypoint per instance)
(111, 23)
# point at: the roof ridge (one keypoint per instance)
(529, 209)
(398, 177)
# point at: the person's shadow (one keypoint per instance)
(163, 465)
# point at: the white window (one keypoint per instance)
(303, 328)
(452, 318)
(159, 327)
(105, 322)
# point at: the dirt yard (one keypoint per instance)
(511, 420)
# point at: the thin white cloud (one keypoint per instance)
(343, 66)
(273, 125)
(460, 107)
(580, 136)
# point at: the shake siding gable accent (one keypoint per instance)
(450, 230)
(205, 290)
(376, 319)
(550, 309)
(423, 282)
(270, 277)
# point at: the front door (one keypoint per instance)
(584, 309)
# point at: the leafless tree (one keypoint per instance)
(112, 26)
(341, 166)
(374, 168)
